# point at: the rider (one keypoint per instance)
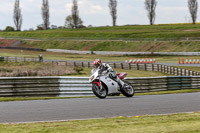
(106, 67)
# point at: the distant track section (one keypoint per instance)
(22, 48)
(104, 39)
(122, 53)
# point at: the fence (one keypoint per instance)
(146, 67)
(21, 59)
(77, 86)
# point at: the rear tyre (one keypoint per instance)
(100, 93)
(128, 91)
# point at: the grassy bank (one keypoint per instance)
(179, 123)
(127, 46)
(135, 31)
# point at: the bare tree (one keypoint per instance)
(75, 13)
(69, 23)
(45, 14)
(17, 16)
(193, 8)
(150, 6)
(113, 10)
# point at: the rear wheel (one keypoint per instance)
(99, 92)
(128, 91)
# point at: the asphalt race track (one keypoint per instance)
(85, 108)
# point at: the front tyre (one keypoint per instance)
(128, 91)
(100, 93)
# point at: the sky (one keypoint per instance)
(95, 12)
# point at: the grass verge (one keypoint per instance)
(24, 69)
(4, 99)
(175, 123)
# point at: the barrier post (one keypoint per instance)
(152, 67)
(114, 65)
(122, 67)
(145, 67)
(138, 67)
(129, 66)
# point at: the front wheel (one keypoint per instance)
(128, 90)
(100, 93)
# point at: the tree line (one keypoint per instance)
(74, 20)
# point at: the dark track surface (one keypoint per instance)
(84, 108)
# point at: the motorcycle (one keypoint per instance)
(104, 85)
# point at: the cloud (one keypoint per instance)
(6, 7)
(87, 7)
(175, 14)
(94, 12)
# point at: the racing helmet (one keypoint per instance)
(97, 63)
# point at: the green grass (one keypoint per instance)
(6, 99)
(137, 31)
(176, 123)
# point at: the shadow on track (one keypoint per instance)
(114, 97)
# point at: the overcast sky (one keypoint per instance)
(95, 12)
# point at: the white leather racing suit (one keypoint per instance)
(112, 74)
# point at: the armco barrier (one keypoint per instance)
(80, 86)
(1, 58)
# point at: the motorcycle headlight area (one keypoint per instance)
(91, 78)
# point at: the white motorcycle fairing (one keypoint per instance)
(113, 86)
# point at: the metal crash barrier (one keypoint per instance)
(80, 86)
